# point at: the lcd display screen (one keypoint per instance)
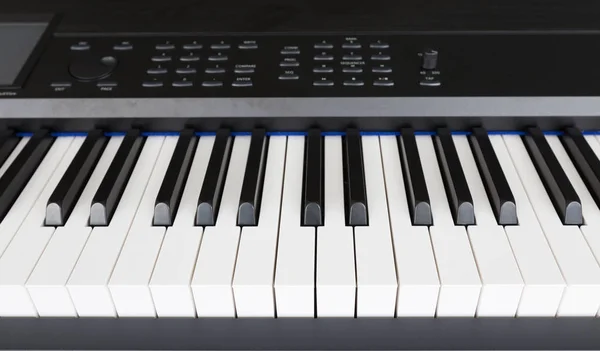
(17, 41)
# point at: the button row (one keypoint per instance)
(190, 58)
(327, 46)
(102, 84)
(197, 46)
(208, 70)
(328, 69)
(206, 84)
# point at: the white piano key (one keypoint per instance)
(253, 279)
(47, 283)
(295, 267)
(21, 255)
(88, 284)
(544, 284)
(575, 259)
(418, 282)
(14, 154)
(170, 283)
(211, 283)
(375, 265)
(336, 274)
(500, 276)
(459, 277)
(129, 283)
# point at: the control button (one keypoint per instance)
(430, 58)
(352, 70)
(157, 71)
(379, 45)
(289, 76)
(354, 83)
(242, 84)
(382, 69)
(164, 47)
(189, 58)
(290, 52)
(82, 46)
(220, 46)
(214, 70)
(248, 46)
(218, 58)
(244, 70)
(106, 84)
(351, 57)
(351, 46)
(123, 47)
(380, 57)
(430, 83)
(212, 83)
(323, 57)
(323, 83)
(293, 63)
(92, 68)
(183, 84)
(152, 84)
(185, 70)
(61, 85)
(192, 46)
(323, 46)
(161, 58)
(323, 70)
(383, 83)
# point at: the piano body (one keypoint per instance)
(299, 175)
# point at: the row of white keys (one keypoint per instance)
(212, 279)
(21, 255)
(375, 266)
(170, 283)
(295, 268)
(88, 284)
(501, 280)
(47, 283)
(418, 282)
(335, 264)
(253, 279)
(575, 259)
(130, 280)
(459, 277)
(544, 284)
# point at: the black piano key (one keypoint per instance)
(457, 190)
(172, 186)
(249, 205)
(8, 142)
(556, 182)
(414, 179)
(63, 199)
(214, 181)
(113, 185)
(354, 180)
(22, 168)
(585, 161)
(312, 213)
(497, 188)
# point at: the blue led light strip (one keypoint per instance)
(295, 133)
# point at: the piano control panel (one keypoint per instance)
(262, 65)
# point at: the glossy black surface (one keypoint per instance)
(557, 184)
(251, 194)
(8, 142)
(71, 185)
(313, 200)
(355, 192)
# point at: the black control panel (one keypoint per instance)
(334, 65)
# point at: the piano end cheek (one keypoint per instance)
(573, 214)
(508, 214)
(98, 215)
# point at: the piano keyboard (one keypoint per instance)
(300, 225)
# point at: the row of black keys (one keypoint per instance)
(107, 197)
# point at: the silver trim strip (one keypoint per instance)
(301, 107)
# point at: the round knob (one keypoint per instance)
(430, 58)
(92, 68)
